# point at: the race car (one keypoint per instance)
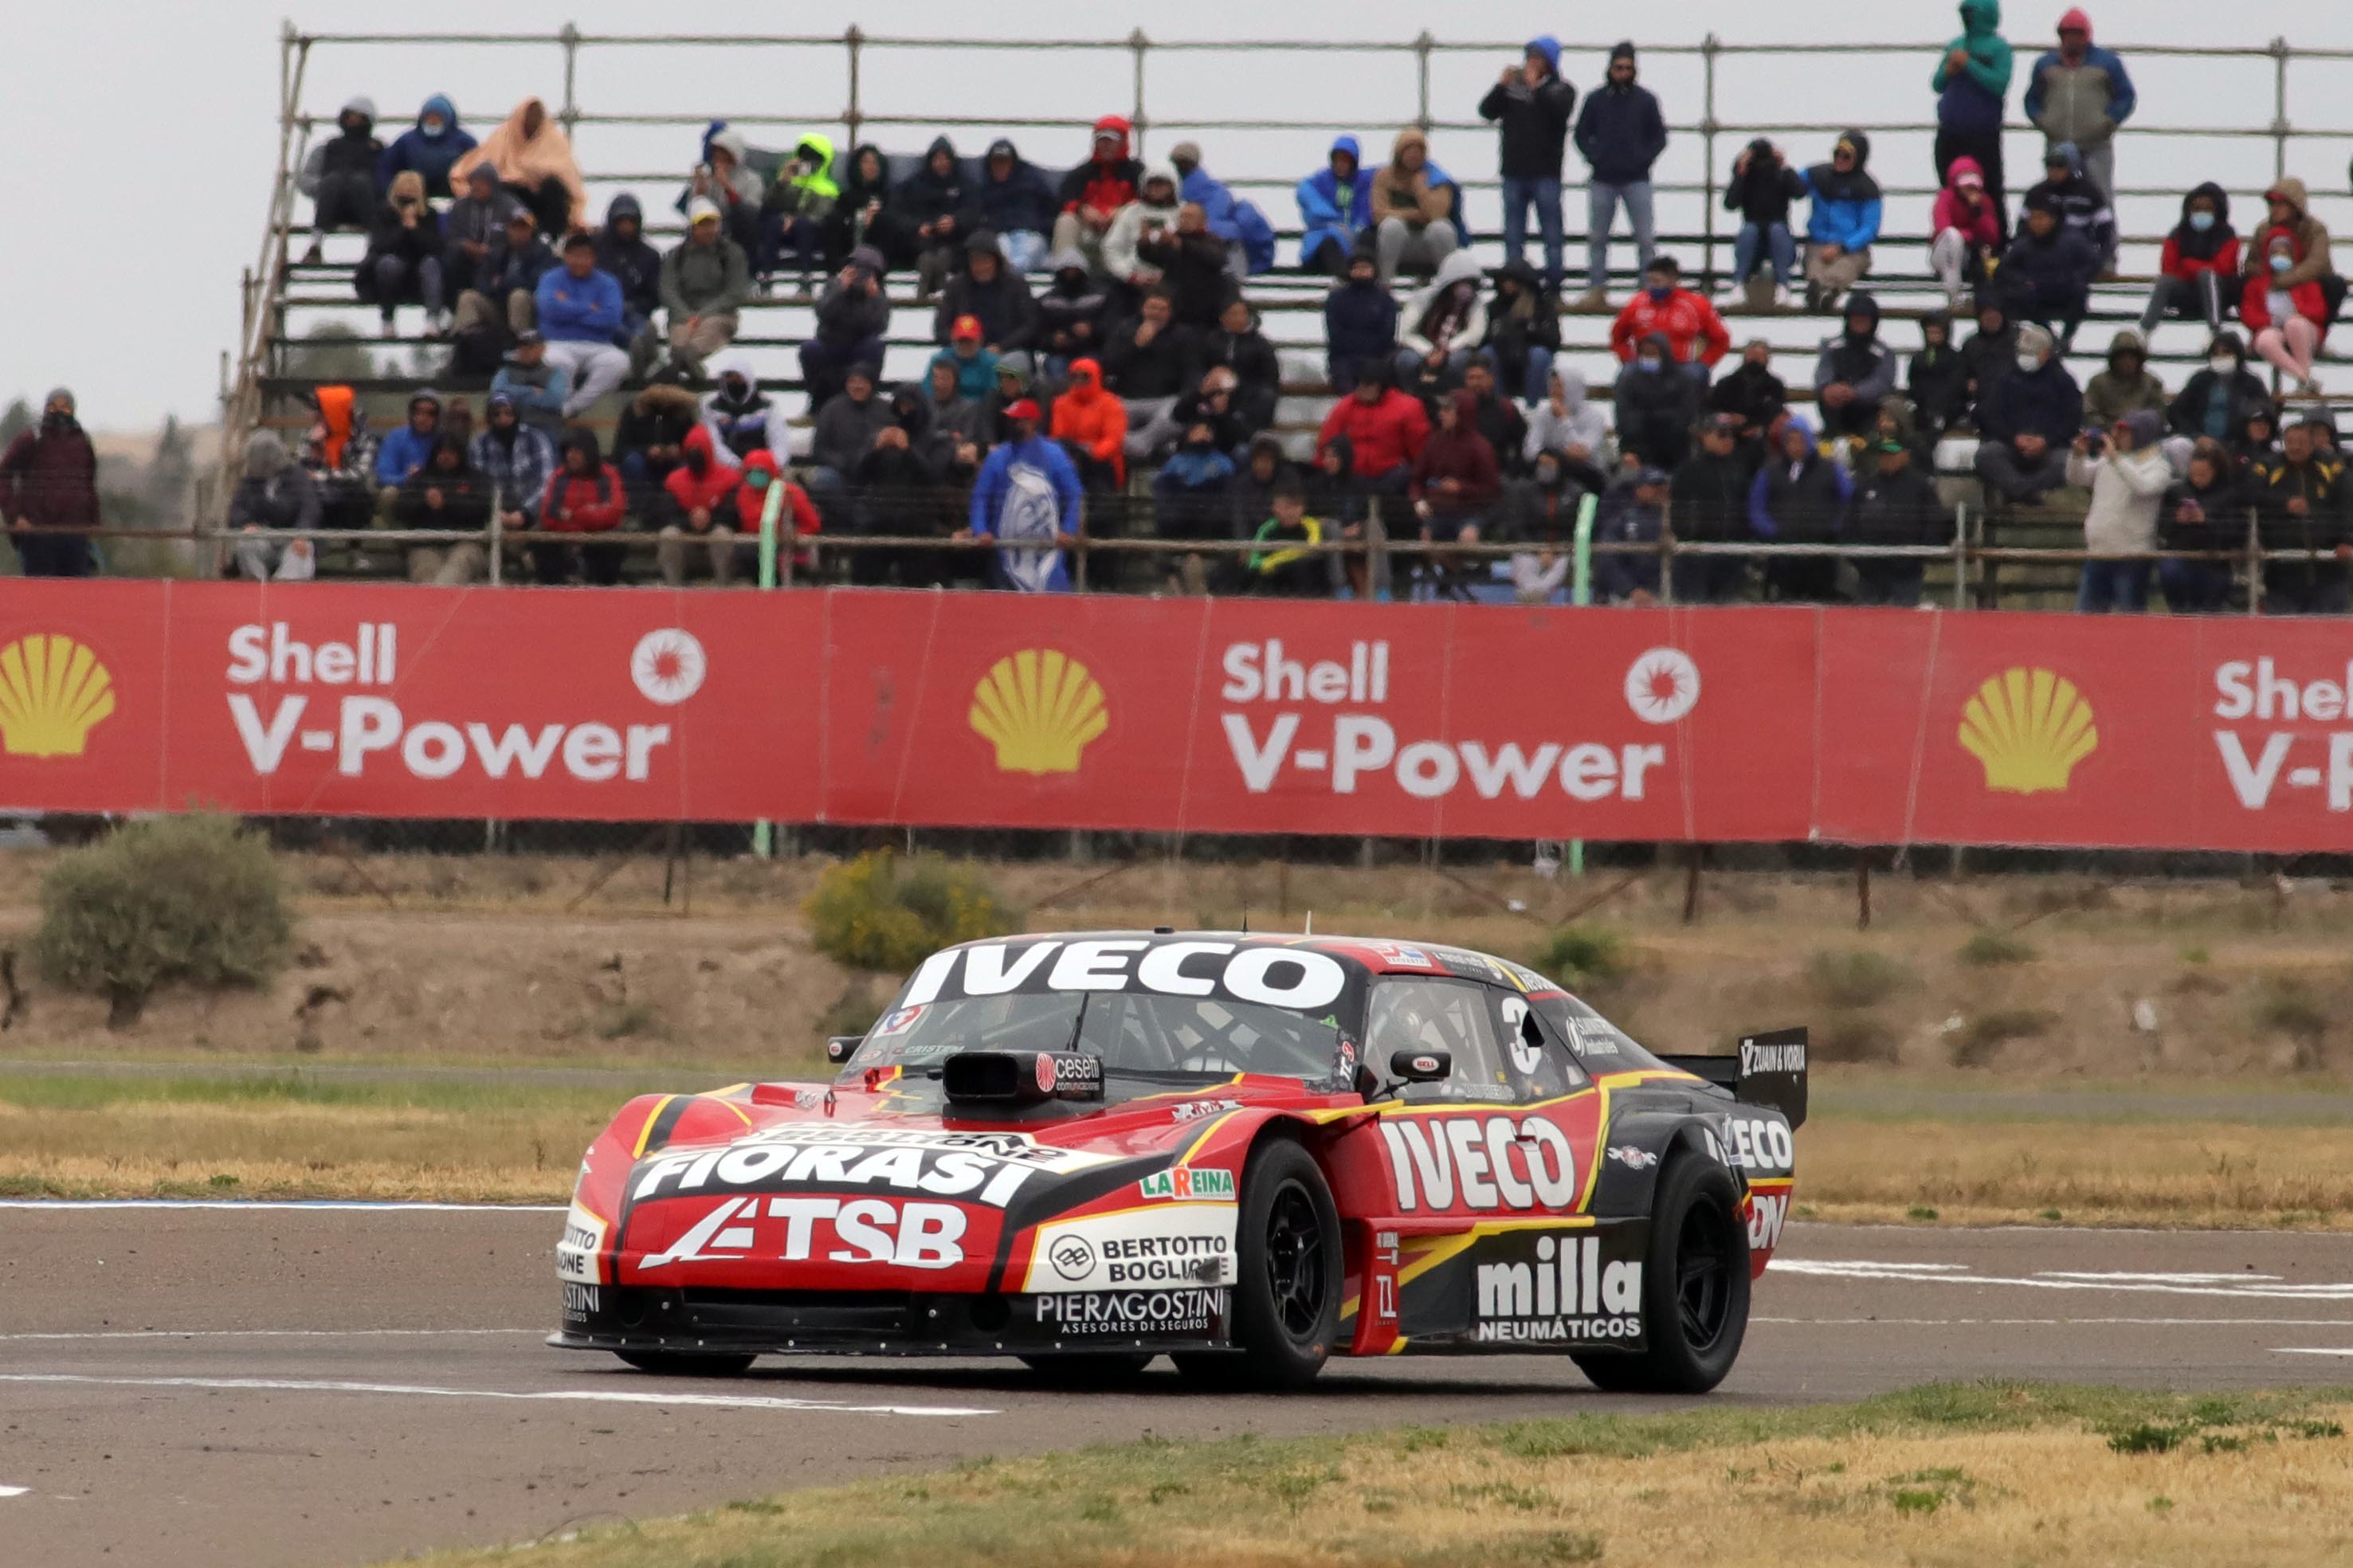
(1250, 1152)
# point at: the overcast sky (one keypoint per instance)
(143, 134)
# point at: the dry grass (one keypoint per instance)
(1941, 1476)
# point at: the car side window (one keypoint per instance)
(1537, 1058)
(1453, 1015)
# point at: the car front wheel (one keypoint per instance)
(1286, 1292)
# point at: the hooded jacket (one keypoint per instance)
(1620, 131)
(1435, 311)
(2083, 102)
(1970, 100)
(888, 229)
(527, 161)
(813, 193)
(594, 502)
(1761, 192)
(431, 157)
(926, 197)
(1463, 455)
(1360, 320)
(801, 514)
(1864, 363)
(1193, 267)
(1938, 379)
(2189, 251)
(537, 391)
(348, 152)
(1846, 207)
(1022, 202)
(1025, 495)
(1092, 419)
(660, 415)
(1423, 197)
(1709, 496)
(741, 425)
(471, 222)
(1105, 185)
(1533, 122)
(743, 185)
(274, 492)
(2127, 490)
(1332, 209)
(845, 428)
(1656, 408)
(709, 488)
(1986, 358)
(2083, 205)
(465, 494)
(1520, 316)
(847, 315)
(1979, 225)
(2309, 235)
(403, 451)
(1388, 433)
(2115, 393)
(2219, 406)
(1802, 503)
(516, 460)
(1132, 221)
(1077, 296)
(1692, 329)
(1751, 394)
(704, 280)
(631, 262)
(2047, 279)
(1006, 309)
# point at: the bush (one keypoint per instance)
(172, 900)
(1856, 979)
(1988, 1031)
(1987, 949)
(1581, 957)
(885, 913)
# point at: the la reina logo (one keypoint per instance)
(2028, 729)
(1039, 709)
(53, 694)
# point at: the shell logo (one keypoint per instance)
(1038, 708)
(53, 692)
(2028, 728)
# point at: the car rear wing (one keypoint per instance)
(1770, 1070)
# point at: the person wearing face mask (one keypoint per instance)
(2128, 477)
(339, 176)
(584, 495)
(447, 494)
(1656, 405)
(700, 488)
(2028, 417)
(1800, 497)
(2214, 403)
(429, 150)
(1842, 223)
(2285, 301)
(743, 418)
(2199, 274)
(1695, 335)
(1988, 352)
(1442, 324)
(1752, 395)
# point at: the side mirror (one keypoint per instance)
(838, 1046)
(1421, 1066)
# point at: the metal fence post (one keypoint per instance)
(570, 115)
(498, 536)
(853, 41)
(1138, 44)
(2279, 109)
(1421, 47)
(1961, 556)
(2255, 566)
(1707, 127)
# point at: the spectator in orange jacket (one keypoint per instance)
(1092, 426)
(1696, 335)
(700, 488)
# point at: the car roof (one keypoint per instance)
(1371, 955)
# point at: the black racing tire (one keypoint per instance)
(687, 1363)
(1289, 1272)
(1695, 1287)
(1093, 1369)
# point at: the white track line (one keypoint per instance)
(1878, 1273)
(2312, 1350)
(2065, 1322)
(579, 1396)
(279, 1205)
(266, 1333)
(14, 1491)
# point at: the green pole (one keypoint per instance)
(1580, 592)
(764, 837)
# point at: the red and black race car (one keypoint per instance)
(1250, 1153)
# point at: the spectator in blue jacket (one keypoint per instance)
(1972, 85)
(1842, 222)
(2046, 274)
(1016, 202)
(2081, 206)
(406, 449)
(580, 313)
(1027, 498)
(2027, 419)
(1249, 238)
(436, 143)
(1531, 107)
(1360, 320)
(1620, 131)
(1800, 497)
(1335, 204)
(537, 387)
(2081, 94)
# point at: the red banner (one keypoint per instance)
(1214, 716)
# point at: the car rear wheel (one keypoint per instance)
(686, 1363)
(1695, 1287)
(1092, 1370)
(1287, 1283)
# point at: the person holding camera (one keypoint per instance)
(2128, 477)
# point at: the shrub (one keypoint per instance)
(2286, 1006)
(1989, 948)
(1856, 978)
(1854, 1038)
(189, 900)
(1974, 1046)
(1582, 957)
(887, 913)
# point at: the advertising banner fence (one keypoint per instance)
(1226, 716)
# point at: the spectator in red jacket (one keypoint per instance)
(799, 518)
(2284, 304)
(584, 495)
(1097, 189)
(1385, 428)
(700, 488)
(48, 480)
(1696, 335)
(1967, 227)
(2200, 272)
(1455, 481)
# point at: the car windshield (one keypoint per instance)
(1149, 1044)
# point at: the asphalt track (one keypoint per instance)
(247, 1386)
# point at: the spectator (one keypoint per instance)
(1284, 564)
(49, 480)
(898, 493)
(1074, 313)
(1336, 206)
(2081, 205)
(2301, 505)
(1531, 108)
(404, 256)
(1894, 504)
(1968, 232)
(1150, 215)
(1751, 395)
(274, 494)
(1543, 522)
(1620, 134)
(2046, 274)
(956, 419)
(1149, 363)
(1569, 423)
(1989, 352)
(1800, 497)
(990, 292)
(1936, 379)
(537, 387)
(1251, 493)
(2215, 404)
(2207, 512)
(1456, 482)
(1695, 335)
(1238, 345)
(935, 201)
(1709, 496)
(1842, 222)
(1413, 210)
(1443, 322)
(1360, 320)
(1633, 513)
(1386, 431)
(1026, 499)
(1761, 188)
(974, 367)
(867, 212)
(584, 495)
(623, 254)
(727, 182)
(2128, 481)
(1496, 417)
(2125, 388)
(1189, 502)
(799, 210)
(2080, 94)
(1013, 199)
(1854, 372)
(1016, 379)
(1093, 424)
(853, 318)
(845, 429)
(2256, 444)
(700, 488)
(580, 313)
(741, 418)
(445, 494)
(405, 450)
(429, 151)
(2286, 299)
(705, 282)
(2028, 415)
(796, 516)
(339, 176)
(472, 229)
(650, 442)
(1212, 403)
(1191, 260)
(502, 301)
(514, 459)
(1656, 404)
(1972, 84)
(457, 419)
(1240, 227)
(2199, 274)
(533, 161)
(1523, 332)
(340, 457)
(1095, 190)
